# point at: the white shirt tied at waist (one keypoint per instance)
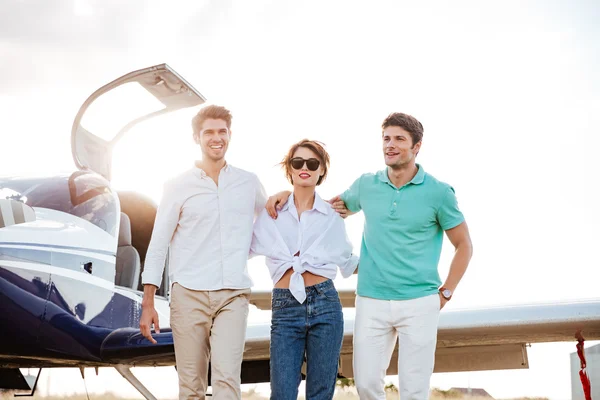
(319, 237)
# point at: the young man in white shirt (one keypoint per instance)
(206, 219)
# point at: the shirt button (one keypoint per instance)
(394, 204)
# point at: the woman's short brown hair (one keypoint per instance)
(317, 147)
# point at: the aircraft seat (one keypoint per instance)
(128, 259)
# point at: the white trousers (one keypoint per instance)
(377, 325)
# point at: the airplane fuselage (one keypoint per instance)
(58, 299)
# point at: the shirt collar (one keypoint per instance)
(419, 177)
(200, 172)
(320, 205)
(416, 180)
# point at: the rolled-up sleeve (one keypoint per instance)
(167, 218)
(259, 230)
(261, 198)
(340, 247)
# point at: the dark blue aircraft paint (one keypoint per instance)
(56, 319)
(45, 316)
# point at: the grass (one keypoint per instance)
(341, 394)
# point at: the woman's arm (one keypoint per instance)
(340, 248)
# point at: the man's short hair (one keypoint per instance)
(406, 122)
(317, 147)
(210, 112)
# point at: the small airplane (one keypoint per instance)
(72, 249)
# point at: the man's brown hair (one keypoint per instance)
(406, 122)
(317, 147)
(210, 112)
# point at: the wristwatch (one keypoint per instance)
(446, 293)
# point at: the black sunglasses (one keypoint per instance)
(312, 163)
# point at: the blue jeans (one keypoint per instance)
(314, 328)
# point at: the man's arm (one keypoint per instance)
(167, 218)
(463, 250)
(277, 201)
(260, 198)
(452, 221)
(348, 203)
(340, 207)
(149, 314)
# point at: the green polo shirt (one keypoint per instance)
(403, 233)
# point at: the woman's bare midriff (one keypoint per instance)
(310, 279)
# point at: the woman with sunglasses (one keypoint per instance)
(304, 247)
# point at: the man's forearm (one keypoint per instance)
(460, 262)
(149, 292)
(276, 202)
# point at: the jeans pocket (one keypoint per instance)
(279, 303)
(331, 295)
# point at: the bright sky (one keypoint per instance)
(508, 93)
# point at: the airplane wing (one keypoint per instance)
(262, 298)
(477, 339)
(468, 340)
(128, 346)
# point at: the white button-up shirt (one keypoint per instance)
(208, 229)
(319, 236)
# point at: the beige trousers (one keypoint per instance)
(209, 325)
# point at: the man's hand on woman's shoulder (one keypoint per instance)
(340, 207)
(277, 201)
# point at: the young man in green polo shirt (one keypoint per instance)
(399, 293)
